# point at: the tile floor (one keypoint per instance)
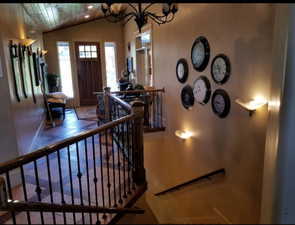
(100, 175)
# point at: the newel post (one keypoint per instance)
(106, 99)
(139, 170)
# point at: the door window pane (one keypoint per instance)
(81, 48)
(87, 48)
(88, 55)
(82, 54)
(93, 48)
(93, 54)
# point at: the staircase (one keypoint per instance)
(91, 178)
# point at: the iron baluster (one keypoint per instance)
(95, 177)
(71, 180)
(87, 174)
(25, 192)
(50, 186)
(79, 175)
(10, 195)
(38, 188)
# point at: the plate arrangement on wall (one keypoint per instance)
(187, 97)
(201, 89)
(182, 70)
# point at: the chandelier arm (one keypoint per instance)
(117, 19)
(169, 20)
(128, 14)
(125, 22)
(132, 6)
(155, 18)
(148, 7)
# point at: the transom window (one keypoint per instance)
(87, 51)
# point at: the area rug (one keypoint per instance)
(86, 113)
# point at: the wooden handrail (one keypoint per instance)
(132, 91)
(206, 176)
(121, 102)
(27, 158)
(19, 206)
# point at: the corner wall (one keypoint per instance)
(244, 32)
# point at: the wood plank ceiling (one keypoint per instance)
(50, 16)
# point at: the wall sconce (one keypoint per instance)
(27, 42)
(183, 134)
(44, 52)
(252, 105)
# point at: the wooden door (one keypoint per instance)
(89, 71)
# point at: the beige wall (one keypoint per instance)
(99, 31)
(237, 143)
(19, 120)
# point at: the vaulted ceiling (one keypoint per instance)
(50, 16)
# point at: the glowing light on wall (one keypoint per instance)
(27, 42)
(253, 104)
(44, 52)
(183, 134)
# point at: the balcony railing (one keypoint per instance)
(89, 178)
(154, 119)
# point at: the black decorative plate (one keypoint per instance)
(220, 69)
(182, 70)
(220, 103)
(187, 97)
(202, 90)
(200, 53)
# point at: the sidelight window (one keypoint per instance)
(65, 70)
(111, 65)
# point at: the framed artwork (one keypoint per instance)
(36, 68)
(13, 50)
(28, 70)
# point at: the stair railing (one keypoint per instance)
(154, 119)
(89, 178)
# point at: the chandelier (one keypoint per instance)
(115, 12)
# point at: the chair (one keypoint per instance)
(57, 100)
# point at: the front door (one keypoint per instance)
(89, 71)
